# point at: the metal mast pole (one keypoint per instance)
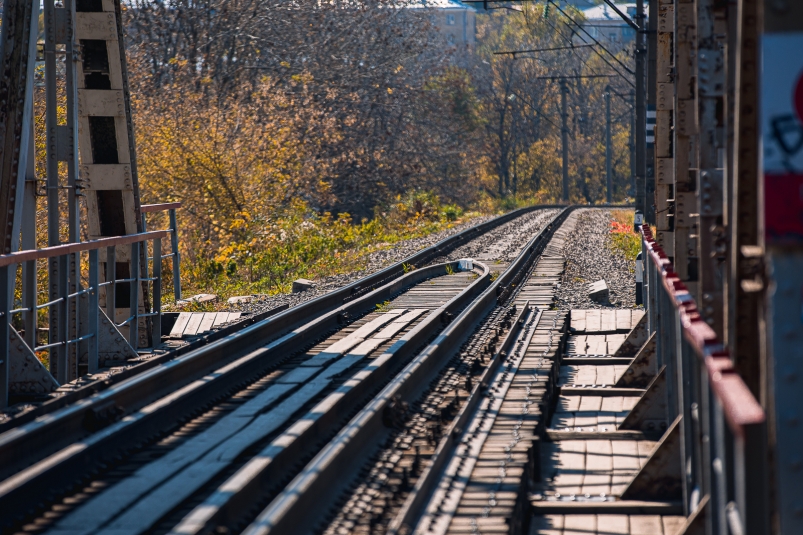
(641, 115)
(632, 142)
(57, 354)
(564, 136)
(608, 145)
(710, 91)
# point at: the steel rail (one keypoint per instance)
(430, 477)
(270, 326)
(324, 478)
(83, 451)
(52, 450)
(138, 507)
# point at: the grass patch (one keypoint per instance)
(267, 255)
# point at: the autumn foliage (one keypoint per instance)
(301, 135)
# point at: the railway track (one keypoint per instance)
(119, 460)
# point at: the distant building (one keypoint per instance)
(456, 21)
(579, 4)
(606, 26)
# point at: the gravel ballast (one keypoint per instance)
(505, 241)
(589, 258)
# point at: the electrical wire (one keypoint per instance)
(554, 27)
(625, 67)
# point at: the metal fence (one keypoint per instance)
(721, 424)
(170, 208)
(76, 310)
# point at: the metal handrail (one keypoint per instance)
(67, 304)
(175, 255)
(721, 421)
(146, 208)
(741, 407)
(70, 248)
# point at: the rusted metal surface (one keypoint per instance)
(642, 369)
(650, 413)
(635, 339)
(17, 51)
(684, 154)
(660, 477)
(742, 329)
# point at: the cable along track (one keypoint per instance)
(162, 397)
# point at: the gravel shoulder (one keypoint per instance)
(590, 258)
(373, 262)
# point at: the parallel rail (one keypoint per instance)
(321, 482)
(266, 327)
(51, 450)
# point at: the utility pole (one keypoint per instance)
(564, 136)
(641, 114)
(631, 143)
(649, 29)
(608, 144)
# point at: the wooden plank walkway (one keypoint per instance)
(581, 458)
(606, 525)
(191, 324)
(582, 465)
(604, 321)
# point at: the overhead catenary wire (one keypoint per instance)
(625, 67)
(535, 109)
(554, 27)
(576, 77)
(533, 50)
(624, 17)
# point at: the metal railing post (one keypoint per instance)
(133, 326)
(157, 292)
(6, 291)
(93, 311)
(673, 404)
(653, 296)
(29, 317)
(682, 384)
(176, 256)
(62, 375)
(111, 278)
(145, 245)
(715, 431)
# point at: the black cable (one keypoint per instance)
(624, 17)
(596, 51)
(514, 52)
(557, 6)
(536, 110)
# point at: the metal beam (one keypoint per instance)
(18, 53)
